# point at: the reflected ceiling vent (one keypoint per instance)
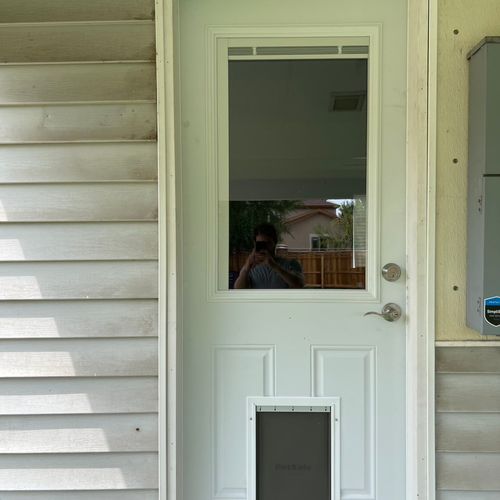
(296, 51)
(347, 101)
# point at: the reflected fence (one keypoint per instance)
(324, 269)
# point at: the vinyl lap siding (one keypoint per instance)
(78, 250)
(468, 423)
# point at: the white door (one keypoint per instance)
(306, 342)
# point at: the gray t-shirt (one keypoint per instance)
(263, 276)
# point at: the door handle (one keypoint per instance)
(390, 312)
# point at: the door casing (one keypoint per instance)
(218, 161)
(421, 125)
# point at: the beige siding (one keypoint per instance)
(25, 11)
(468, 423)
(87, 41)
(78, 162)
(78, 319)
(78, 82)
(77, 434)
(77, 122)
(81, 202)
(83, 495)
(468, 495)
(67, 471)
(82, 395)
(78, 250)
(85, 241)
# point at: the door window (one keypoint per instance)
(295, 158)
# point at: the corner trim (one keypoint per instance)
(421, 174)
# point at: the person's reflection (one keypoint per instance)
(263, 269)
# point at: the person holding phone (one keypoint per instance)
(263, 269)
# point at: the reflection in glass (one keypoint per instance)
(297, 160)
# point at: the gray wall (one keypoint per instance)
(78, 250)
(468, 423)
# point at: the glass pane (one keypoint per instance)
(293, 456)
(297, 173)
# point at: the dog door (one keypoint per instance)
(293, 452)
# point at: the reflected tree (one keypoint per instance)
(339, 233)
(244, 216)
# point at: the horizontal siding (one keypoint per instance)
(78, 250)
(102, 41)
(81, 202)
(468, 471)
(81, 280)
(95, 471)
(468, 359)
(468, 495)
(81, 241)
(78, 434)
(468, 423)
(468, 432)
(19, 11)
(78, 162)
(78, 319)
(468, 392)
(77, 83)
(80, 495)
(75, 396)
(77, 122)
(78, 358)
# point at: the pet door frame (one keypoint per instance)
(290, 404)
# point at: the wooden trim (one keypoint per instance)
(430, 409)
(169, 352)
(467, 343)
(420, 243)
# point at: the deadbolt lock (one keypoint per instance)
(391, 272)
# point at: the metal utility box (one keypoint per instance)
(483, 202)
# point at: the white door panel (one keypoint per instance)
(316, 344)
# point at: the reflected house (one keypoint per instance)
(312, 229)
(304, 223)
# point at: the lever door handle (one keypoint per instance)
(390, 312)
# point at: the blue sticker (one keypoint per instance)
(492, 311)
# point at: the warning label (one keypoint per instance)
(492, 310)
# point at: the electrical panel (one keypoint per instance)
(483, 202)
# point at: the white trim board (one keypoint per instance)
(168, 298)
(422, 42)
(468, 343)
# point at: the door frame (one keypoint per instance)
(420, 265)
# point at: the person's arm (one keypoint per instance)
(242, 281)
(291, 278)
